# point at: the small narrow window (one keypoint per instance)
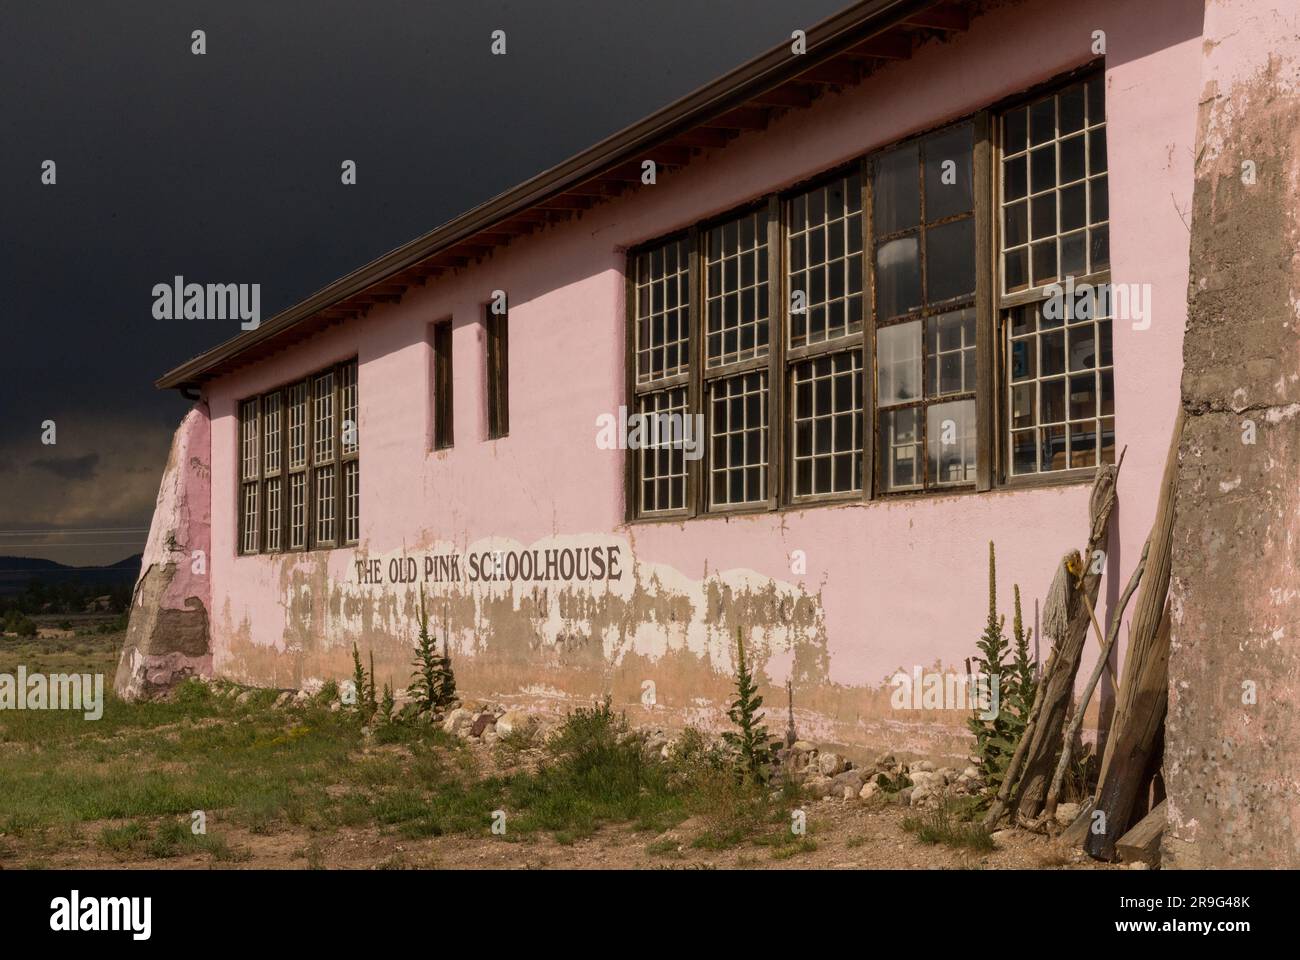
(498, 374)
(443, 436)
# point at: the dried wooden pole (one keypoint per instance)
(1058, 684)
(1067, 745)
(1057, 681)
(1144, 693)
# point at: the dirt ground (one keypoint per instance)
(844, 835)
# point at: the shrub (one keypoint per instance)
(755, 749)
(433, 684)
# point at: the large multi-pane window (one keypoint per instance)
(661, 318)
(890, 328)
(738, 307)
(1055, 292)
(923, 215)
(295, 445)
(825, 310)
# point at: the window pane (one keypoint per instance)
(738, 428)
(1061, 389)
(248, 439)
(249, 520)
(271, 435)
(950, 260)
(827, 418)
(324, 504)
(825, 243)
(900, 447)
(898, 276)
(948, 172)
(273, 518)
(738, 314)
(323, 419)
(662, 437)
(950, 438)
(898, 363)
(351, 501)
(662, 310)
(896, 191)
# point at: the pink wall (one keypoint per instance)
(893, 583)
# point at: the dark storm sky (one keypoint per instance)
(225, 168)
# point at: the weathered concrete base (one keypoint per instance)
(168, 637)
(1232, 754)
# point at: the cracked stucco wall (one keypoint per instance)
(1232, 756)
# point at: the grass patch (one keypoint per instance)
(951, 825)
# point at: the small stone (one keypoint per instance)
(458, 722)
(510, 721)
(972, 772)
(481, 723)
(921, 766)
(803, 746)
(904, 797)
(830, 764)
(244, 697)
(283, 699)
(1067, 813)
(820, 787)
(336, 706)
(869, 790)
(1139, 865)
(849, 793)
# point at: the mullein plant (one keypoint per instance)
(995, 738)
(433, 684)
(358, 683)
(754, 748)
(1021, 681)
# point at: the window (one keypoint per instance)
(498, 374)
(738, 305)
(661, 320)
(1055, 282)
(294, 444)
(825, 310)
(442, 386)
(888, 328)
(924, 253)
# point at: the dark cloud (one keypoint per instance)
(225, 168)
(69, 468)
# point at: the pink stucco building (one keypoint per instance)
(842, 261)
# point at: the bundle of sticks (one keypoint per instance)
(1032, 786)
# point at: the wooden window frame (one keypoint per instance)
(286, 474)
(1000, 302)
(792, 357)
(989, 304)
(691, 380)
(709, 375)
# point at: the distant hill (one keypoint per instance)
(15, 572)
